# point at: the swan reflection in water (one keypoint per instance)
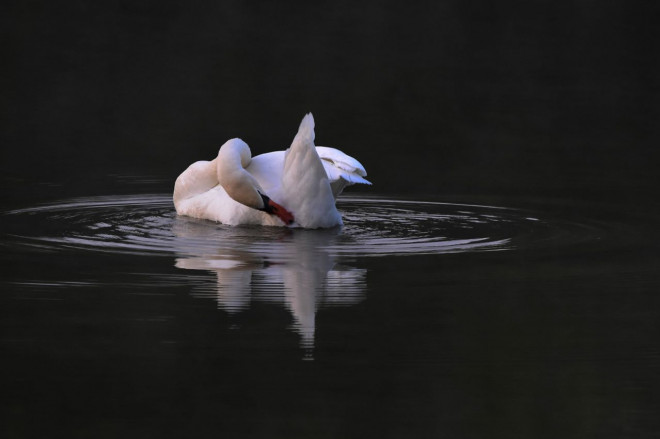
(287, 266)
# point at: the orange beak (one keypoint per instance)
(281, 212)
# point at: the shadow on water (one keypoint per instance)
(302, 270)
(439, 313)
(297, 271)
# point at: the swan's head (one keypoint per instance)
(234, 156)
(279, 211)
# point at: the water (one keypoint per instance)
(513, 291)
(418, 318)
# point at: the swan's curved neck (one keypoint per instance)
(234, 156)
(235, 153)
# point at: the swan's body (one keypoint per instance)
(298, 185)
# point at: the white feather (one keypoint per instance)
(305, 179)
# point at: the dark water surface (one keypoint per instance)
(518, 300)
(416, 319)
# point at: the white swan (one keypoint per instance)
(294, 187)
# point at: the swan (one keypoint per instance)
(296, 187)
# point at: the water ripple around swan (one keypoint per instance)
(148, 224)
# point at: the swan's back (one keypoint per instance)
(341, 169)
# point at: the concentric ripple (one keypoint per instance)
(148, 224)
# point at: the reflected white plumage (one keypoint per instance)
(298, 186)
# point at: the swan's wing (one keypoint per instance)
(339, 165)
(305, 183)
(342, 169)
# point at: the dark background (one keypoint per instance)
(535, 98)
(554, 102)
